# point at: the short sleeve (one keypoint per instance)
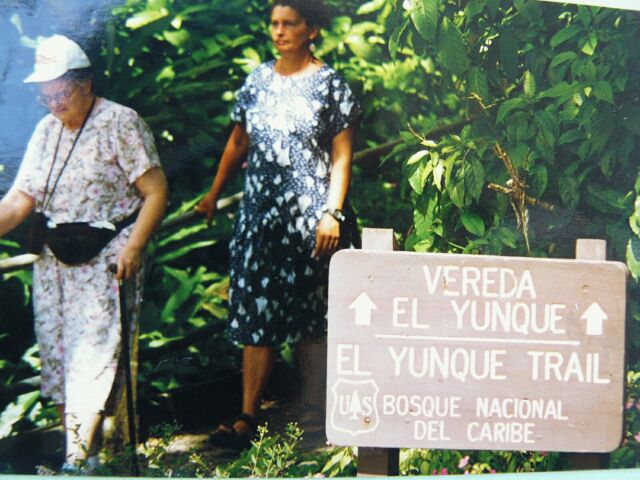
(243, 101)
(345, 108)
(136, 148)
(29, 178)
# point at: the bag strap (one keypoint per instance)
(45, 200)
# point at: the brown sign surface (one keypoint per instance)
(475, 352)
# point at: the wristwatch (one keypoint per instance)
(335, 213)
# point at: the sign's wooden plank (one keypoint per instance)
(477, 352)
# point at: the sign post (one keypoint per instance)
(475, 352)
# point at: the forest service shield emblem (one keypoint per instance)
(355, 409)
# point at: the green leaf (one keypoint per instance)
(423, 224)
(431, 13)
(474, 8)
(438, 172)
(603, 91)
(562, 91)
(9, 243)
(538, 180)
(546, 130)
(508, 46)
(144, 18)
(424, 14)
(493, 6)
(179, 252)
(508, 237)
(604, 199)
(176, 38)
(370, 7)
(568, 186)
(590, 44)
(478, 82)
(16, 411)
(416, 157)
(182, 294)
(457, 192)
(180, 234)
(474, 178)
(603, 127)
(633, 257)
(417, 174)
(394, 40)
(473, 223)
(630, 118)
(452, 49)
(508, 106)
(565, 34)
(563, 57)
(634, 219)
(416, 13)
(570, 136)
(529, 84)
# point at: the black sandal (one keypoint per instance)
(231, 438)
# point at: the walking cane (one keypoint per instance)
(126, 360)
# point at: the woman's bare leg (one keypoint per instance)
(257, 364)
(80, 433)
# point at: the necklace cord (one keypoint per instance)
(45, 200)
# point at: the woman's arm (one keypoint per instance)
(152, 185)
(234, 153)
(328, 230)
(14, 208)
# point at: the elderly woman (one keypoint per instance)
(92, 174)
(294, 123)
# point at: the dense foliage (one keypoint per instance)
(544, 113)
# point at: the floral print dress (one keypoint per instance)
(278, 291)
(76, 308)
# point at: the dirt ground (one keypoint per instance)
(25, 453)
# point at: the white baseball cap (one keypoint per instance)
(55, 56)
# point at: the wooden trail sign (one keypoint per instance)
(475, 352)
(621, 4)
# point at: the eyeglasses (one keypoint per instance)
(59, 97)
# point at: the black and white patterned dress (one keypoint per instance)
(278, 291)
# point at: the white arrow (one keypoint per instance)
(595, 317)
(363, 306)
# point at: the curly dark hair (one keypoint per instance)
(314, 12)
(79, 74)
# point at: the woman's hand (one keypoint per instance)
(208, 207)
(129, 261)
(234, 153)
(327, 236)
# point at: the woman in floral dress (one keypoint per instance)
(294, 124)
(90, 160)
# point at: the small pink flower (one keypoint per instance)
(444, 472)
(629, 404)
(493, 470)
(637, 437)
(464, 461)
